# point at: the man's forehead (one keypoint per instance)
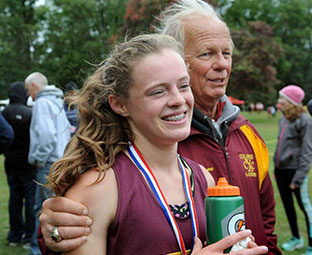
(205, 27)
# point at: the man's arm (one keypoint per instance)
(72, 221)
(268, 214)
(6, 134)
(43, 134)
(267, 201)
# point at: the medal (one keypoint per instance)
(141, 164)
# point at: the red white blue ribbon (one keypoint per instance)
(140, 162)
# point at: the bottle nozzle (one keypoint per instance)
(223, 188)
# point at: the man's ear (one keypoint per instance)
(117, 105)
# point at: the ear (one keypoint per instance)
(117, 105)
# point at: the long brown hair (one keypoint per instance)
(292, 112)
(102, 133)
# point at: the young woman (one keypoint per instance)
(123, 164)
(292, 159)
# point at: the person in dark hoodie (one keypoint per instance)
(20, 174)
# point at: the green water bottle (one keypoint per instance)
(224, 211)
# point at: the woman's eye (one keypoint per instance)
(185, 86)
(156, 92)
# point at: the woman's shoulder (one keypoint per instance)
(93, 186)
(305, 118)
(197, 167)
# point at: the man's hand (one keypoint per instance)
(71, 220)
(218, 247)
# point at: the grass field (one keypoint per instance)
(267, 127)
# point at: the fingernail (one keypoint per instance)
(85, 212)
(84, 238)
(265, 248)
(89, 222)
(248, 230)
(88, 230)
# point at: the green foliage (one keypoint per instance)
(291, 22)
(141, 15)
(76, 34)
(253, 76)
(59, 39)
(18, 25)
(273, 40)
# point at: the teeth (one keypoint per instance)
(175, 118)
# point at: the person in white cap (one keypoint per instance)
(292, 160)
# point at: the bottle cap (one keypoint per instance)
(223, 188)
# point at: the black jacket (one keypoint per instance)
(18, 115)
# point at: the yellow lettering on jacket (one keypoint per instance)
(249, 164)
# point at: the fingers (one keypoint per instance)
(70, 217)
(65, 245)
(251, 244)
(63, 219)
(62, 204)
(253, 251)
(231, 240)
(197, 245)
(73, 232)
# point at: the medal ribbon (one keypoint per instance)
(140, 162)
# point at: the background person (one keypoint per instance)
(71, 90)
(221, 140)
(49, 134)
(20, 174)
(310, 106)
(6, 134)
(292, 160)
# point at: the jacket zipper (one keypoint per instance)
(227, 156)
(224, 148)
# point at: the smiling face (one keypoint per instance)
(160, 103)
(208, 51)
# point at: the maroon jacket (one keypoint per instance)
(242, 157)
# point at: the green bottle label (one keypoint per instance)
(233, 222)
(224, 216)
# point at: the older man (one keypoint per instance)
(49, 134)
(221, 140)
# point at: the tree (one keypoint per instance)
(76, 34)
(253, 75)
(18, 29)
(291, 21)
(142, 15)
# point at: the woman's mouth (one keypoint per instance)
(175, 117)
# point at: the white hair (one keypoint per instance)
(37, 78)
(171, 19)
